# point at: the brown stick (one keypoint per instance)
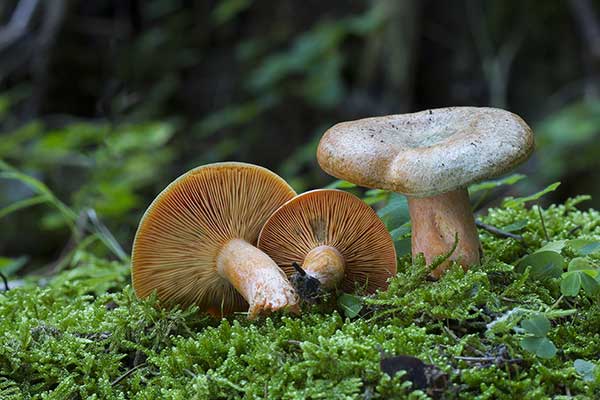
(498, 232)
(126, 374)
(6, 288)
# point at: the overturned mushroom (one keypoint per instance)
(431, 157)
(338, 239)
(195, 243)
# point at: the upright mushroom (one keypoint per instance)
(430, 156)
(338, 239)
(195, 243)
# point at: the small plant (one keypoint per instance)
(586, 369)
(580, 274)
(350, 305)
(536, 341)
(548, 262)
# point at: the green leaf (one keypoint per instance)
(487, 185)
(10, 173)
(228, 9)
(375, 196)
(581, 264)
(521, 200)
(401, 231)
(555, 246)
(541, 346)
(395, 213)
(340, 185)
(584, 247)
(516, 226)
(230, 116)
(586, 369)
(9, 266)
(403, 247)
(546, 349)
(376, 192)
(590, 285)
(350, 304)
(18, 205)
(544, 264)
(537, 325)
(570, 284)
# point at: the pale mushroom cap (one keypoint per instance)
(181, 233)
(337, 219)
(426, 153)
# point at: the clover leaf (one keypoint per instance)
(536, 342)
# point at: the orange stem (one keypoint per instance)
(435, 222)
(326, 264)
(256, 277)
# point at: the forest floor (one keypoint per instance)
(524, 324)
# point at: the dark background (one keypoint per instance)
(107, 101)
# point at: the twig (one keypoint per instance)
(572, 231)
(556, 303)
(489, 359)
(451, 333)
(105, 235)
(6, 288)
(126, 374)
(190, 373)
(498, 232)
(543, 223)
(19, 22)
(509, 300)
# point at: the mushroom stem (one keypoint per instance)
(435, 222)
(326, 264)
(256, 277)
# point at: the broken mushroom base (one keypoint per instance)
(256, 277)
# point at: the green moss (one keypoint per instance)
(85, 335)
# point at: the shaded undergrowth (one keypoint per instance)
(83, 334)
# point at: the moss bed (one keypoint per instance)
(83, 334)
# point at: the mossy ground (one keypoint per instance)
(84, 334)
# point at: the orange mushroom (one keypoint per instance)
(339, 240)
(196, 242)
(431, 157)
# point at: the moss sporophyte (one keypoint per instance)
(483, 333)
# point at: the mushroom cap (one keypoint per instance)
(179, 237)
(337, 219)
(426, 153)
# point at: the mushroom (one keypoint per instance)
(337, 237)
(196, 242)
(431, 157)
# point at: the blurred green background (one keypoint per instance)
(107, 101)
